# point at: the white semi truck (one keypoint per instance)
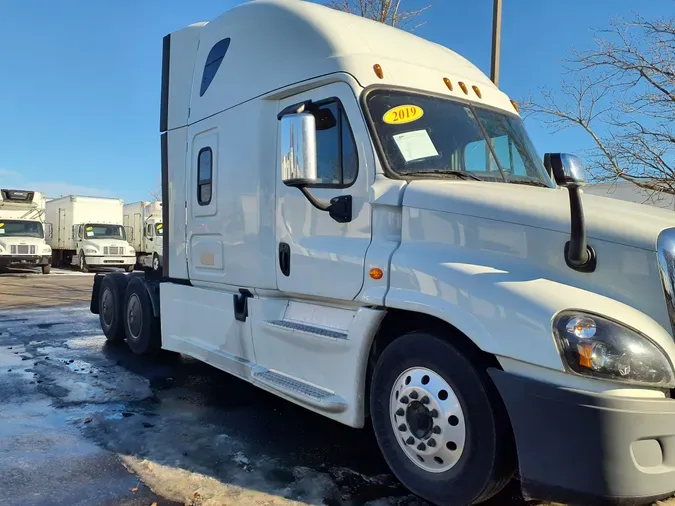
(361, 225)
(88, 233)
(144, 222)
(23, 230)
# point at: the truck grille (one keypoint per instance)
(22, 249)
(113, 250)
(666, 254)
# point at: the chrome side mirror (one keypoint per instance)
(567, 170)
(49, 231)
(298, 149)
(130, 233)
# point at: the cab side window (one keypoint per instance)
(204, 176)
(337, 159)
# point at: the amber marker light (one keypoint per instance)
(477, 91)
(448, 83)
(515, 105)
(378, 71)
(463, 86)
(376, 273)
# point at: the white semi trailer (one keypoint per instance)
(23, 230)
(143, 221)
(88, 233)
(359, 223)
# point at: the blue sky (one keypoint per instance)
(80, 79)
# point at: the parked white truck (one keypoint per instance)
(88, 233)
(405, 260)
(143, 221)
(23, 230)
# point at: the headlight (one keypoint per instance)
(591, 345)
(46, 249)
(90, 250)
(132, 251)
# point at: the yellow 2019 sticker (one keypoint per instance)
(160, 226)
(403, 114)
(90, 228)
(2, 224)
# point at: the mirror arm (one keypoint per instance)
(295, 109)
(321, 206)
(578, 255)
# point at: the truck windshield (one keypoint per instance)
(21, 228)
(100, 231)
(159, 229)
(426, 136)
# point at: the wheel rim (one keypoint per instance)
(82, 262)
(427, 419)
(155, 263)
(134, 316)
(108, 306)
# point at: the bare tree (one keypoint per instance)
(156, 192)
(622, 94)
(388, 12)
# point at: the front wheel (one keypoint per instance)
(439, 422)
(155, 262)
(46, 269)
(82, 263)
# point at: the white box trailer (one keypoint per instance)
(23, 230)
(143, 221)
(360, 224)
(88, 233)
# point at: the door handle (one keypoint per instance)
(285, 258)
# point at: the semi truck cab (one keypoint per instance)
(360, 224)
(23, 230)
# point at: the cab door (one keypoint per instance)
(317, 255)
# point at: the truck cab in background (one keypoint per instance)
(88, 233)
(358, 223)
(23, 230)
(143, 221)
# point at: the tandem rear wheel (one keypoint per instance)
(125, 313)
(439, 421)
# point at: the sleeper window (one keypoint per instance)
(336, 155)
(204, 176)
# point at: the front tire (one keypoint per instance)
(155, 262)
(140, 325)
(82, 262)
(46, 269)
(440, 422)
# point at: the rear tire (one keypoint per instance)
(111, 304)
(439, 422)
(46, 269)
(141, 327)
(129, 268)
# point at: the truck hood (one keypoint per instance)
(607, 219)
(40, 245)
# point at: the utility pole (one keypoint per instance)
(496, 40)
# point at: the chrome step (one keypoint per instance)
(300, 390)
(308, 329)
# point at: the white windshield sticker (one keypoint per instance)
(2, 230)
(415, 145)
(89, 234)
